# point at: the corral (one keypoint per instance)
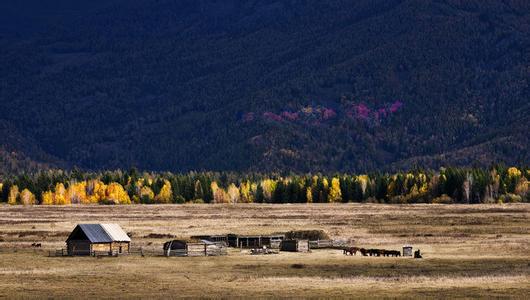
(194, 248)
(468, 251)
(245, 241)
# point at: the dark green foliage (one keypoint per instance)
(163, 85)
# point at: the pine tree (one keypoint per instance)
(260, 197)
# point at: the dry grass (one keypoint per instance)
(470, 251)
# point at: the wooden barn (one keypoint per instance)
(193, 248)
(294, 245)
(92, 239)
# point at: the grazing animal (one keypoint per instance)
(364, 252)
(36, 245)
(351, 251)
(372, 252)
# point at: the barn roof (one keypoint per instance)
(116, 233)
(102, 233)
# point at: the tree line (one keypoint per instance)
(497, 184)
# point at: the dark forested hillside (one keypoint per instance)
(265, 85)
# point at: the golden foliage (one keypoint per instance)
(27, 197)
(12, 198)
(309, 195)
(47, 198)
(166, 194)
(60, 195)
(116, 193)
(363, 180)
(335, 194)
(269, 186)
(219, 194)
(96, 191)
(146, 193)
(233, 193)
(245, 195)
(513, 172)
(77, 193)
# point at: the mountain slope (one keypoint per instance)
(275, 85)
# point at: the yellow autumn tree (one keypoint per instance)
(513, 172)
(13, 196)
(219, 194)
(233, 193)
(60, 195)
(335, 194)
(47, 198)
(245, 194)
(116, 194)
(27, 197)
(363, 181)
(214, 187)
(166, 194)
(309, 195)
(96, 191)
(269, 186)
(77, 193)
(146, 194)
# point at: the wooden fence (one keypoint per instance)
(199, 249)
(327, 244)
(58, 253)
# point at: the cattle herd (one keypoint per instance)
(371, 252)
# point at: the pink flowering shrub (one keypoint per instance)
(396, 106)
(272, 116)
(328, 113)
(291, 116)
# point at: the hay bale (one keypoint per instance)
(312, 235)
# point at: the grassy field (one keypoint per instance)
(469, 251)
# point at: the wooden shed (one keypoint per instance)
(92, 239)
(294, 245)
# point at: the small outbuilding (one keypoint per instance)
(407, 250)
(294, 245)
(92, 239)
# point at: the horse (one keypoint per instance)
(351, 250)
(36, 245)
(393, 253)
